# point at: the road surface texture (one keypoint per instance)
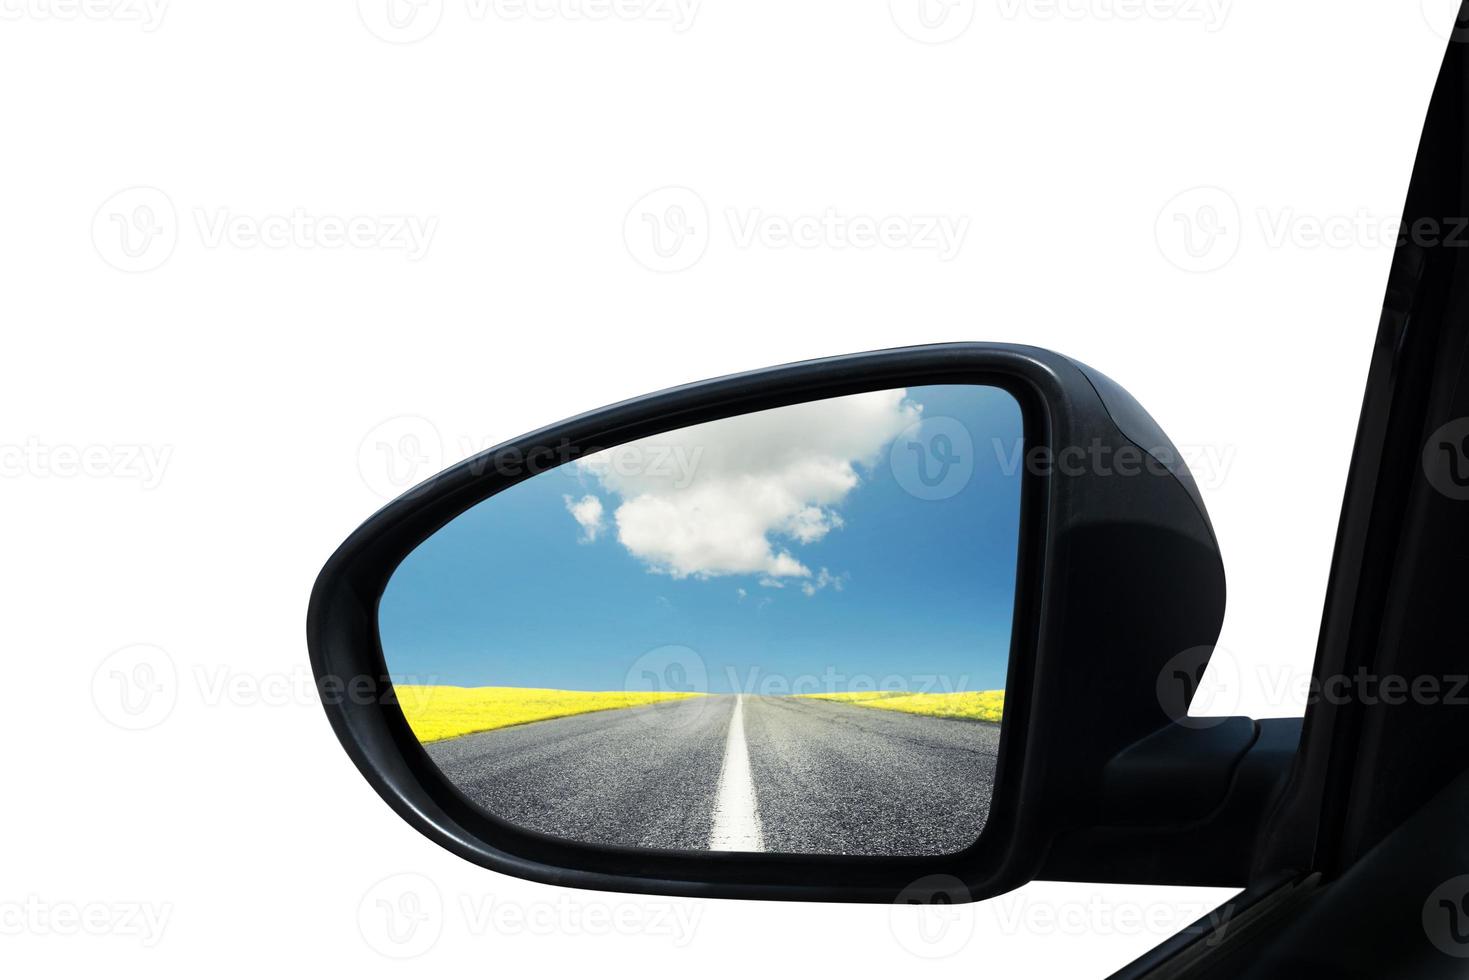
(737, 773)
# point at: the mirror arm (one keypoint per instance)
(1182, 806)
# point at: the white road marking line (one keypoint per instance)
(736, 815)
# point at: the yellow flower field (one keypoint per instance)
(968, 705)
(439, 711)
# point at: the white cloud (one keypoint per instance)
(588, 513)
(822, 580)
(759, 487)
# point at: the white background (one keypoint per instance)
(260, 376)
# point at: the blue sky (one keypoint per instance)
(874, 582)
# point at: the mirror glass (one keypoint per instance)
(787, 631)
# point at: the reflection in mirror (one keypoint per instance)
(786, 631)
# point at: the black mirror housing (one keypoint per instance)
(1120, 582)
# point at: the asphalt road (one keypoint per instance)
(737, 773)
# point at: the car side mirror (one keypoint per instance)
(849, 629)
